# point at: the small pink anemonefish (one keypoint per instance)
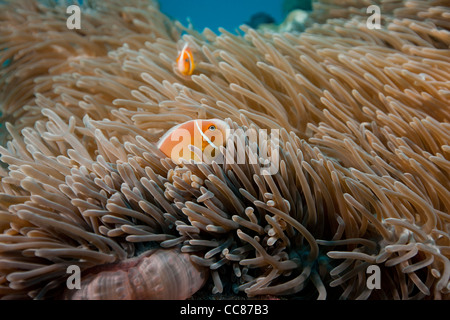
(205, 135)
(185, 61)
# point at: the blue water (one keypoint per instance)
(229, 14)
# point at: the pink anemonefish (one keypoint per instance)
(205, 135)
(185, 61)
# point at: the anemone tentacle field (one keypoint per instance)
(362, 154)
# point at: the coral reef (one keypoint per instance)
(290, 5)
(260, 18)
(364, 156)
(295, 21)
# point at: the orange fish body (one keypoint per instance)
(206, 136)
(185, 61)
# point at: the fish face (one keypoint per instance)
(185, 61)
(197, 140)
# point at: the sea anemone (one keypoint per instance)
(355, 120)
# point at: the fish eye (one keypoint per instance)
(186, 60)
(212, 128)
